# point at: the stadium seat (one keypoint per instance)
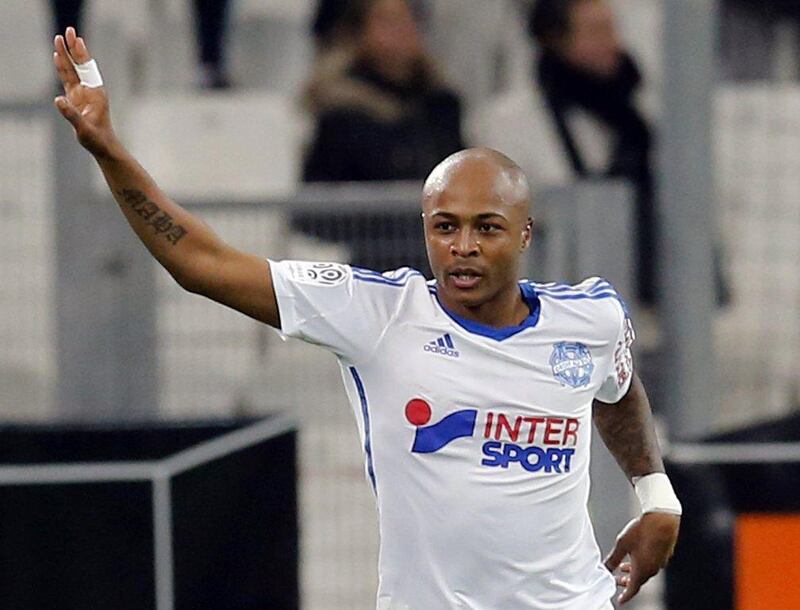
(218, 147)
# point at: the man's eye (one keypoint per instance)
(444, 226)
(488, 228)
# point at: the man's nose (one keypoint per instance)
(465, 244)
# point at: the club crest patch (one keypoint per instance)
(572, 364)
(319, 274)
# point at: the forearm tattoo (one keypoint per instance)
(627, 430)
(161, 222)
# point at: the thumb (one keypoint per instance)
(617, 554)
(68, 111)
(622, 546)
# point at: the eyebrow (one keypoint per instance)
(484, 216)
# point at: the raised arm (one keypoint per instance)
(183, 244)
(627, 430)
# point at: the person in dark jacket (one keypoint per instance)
(382, 112)
(579, 116)
(589, 71)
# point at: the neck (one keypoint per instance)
(504, 309)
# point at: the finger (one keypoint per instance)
(625, 566)
(630, 592)
(61, 59)
(66, 73)
(80, 53)
(77, 47)
(616, 555)
(634, 583)
(71, 36)
(68, 111)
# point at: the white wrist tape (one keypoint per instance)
(89, 74)
(656, 495)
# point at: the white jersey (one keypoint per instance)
(476, 439)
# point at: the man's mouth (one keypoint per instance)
(464, 278)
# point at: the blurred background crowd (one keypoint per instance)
(302, 129)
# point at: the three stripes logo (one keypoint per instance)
(443, 345)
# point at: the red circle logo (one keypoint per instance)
(418, 412)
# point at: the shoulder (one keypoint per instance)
(404, 291)
(594, 299)
(323, 275)
(594, 292)
(395, 285)
(343, 295)
(405, 277)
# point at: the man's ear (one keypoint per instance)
(527, 234)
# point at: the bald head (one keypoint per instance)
(477, 225)
(482, 170)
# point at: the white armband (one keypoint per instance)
(89, 74)
(656, 495)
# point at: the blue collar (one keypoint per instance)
(499, 334)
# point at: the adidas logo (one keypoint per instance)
(443, 345)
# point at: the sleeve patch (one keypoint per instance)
(318, 274)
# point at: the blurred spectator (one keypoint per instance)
(382, 112)
(578, 116)
(480, 46)
(210, 27)
(330, 23)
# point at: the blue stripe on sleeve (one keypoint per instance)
(593, 296)
(362, 395)
(367, 275)
(598, 286)
(573, 297)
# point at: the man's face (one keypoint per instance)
(592, 42)
(476, 229)
(390, 33)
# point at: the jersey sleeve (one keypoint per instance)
(618, 377)
(328, 304)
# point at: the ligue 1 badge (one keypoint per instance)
(319, 274)
(572, 364)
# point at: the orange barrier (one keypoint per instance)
(767, 568)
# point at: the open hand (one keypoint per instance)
(84, 107)
(649, 542)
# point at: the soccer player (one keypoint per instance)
(474, 393)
